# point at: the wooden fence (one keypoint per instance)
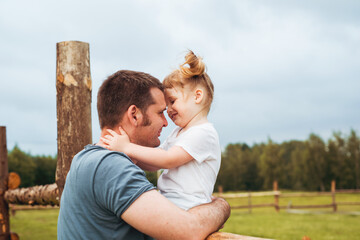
(73, 94)
(333, 204)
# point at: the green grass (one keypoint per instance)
(316, 223)
(319, 224)
(293, 226)
(35, 224)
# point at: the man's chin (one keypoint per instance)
(156, 143)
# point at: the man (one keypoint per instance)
(106, 196)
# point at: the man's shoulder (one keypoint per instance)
(93, 157)
(98, 152)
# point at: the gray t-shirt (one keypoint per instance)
(99, 187)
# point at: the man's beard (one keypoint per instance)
(146, 121)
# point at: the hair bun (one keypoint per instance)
(196, 66)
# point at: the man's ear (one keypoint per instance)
(199, 95)
(134, 115)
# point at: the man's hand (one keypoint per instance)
(116, 142)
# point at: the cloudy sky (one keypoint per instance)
(281, 69)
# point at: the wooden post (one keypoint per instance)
(333, 190)
(73, 103)
(4, 171)
(276, 196)
(249, 202)
(220, 190)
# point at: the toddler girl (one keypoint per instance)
(191, 155)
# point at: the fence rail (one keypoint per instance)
(278, 194)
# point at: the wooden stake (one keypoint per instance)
(4, 171)
(73, 94)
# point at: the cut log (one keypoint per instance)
(14, 236)
(14, 180)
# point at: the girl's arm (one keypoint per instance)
(146, 167)
(157, 157)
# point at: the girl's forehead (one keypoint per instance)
(172, 91)
(175, 91)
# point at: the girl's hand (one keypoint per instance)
(116, 142)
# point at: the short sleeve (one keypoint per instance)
(118, 183)
(201, 143)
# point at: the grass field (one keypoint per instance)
(35, 224)
(319, 224)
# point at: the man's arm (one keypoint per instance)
(156, 216)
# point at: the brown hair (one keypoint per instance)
(193, 74)
(121, 90)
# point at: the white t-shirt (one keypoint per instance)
(192, 184)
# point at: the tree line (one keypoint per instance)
(33, 170)
(296, 165)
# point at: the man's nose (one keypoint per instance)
(165, 122)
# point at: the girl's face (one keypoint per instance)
(181, 106)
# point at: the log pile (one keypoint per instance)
(37, 195)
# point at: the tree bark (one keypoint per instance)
(37, 195)
(4, 171)
(73, 93)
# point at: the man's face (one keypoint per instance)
(148, 133)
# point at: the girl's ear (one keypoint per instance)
(199, 95)
(134, 115)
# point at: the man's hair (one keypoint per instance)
(121, 90)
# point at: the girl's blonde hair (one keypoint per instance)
(194, 74)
